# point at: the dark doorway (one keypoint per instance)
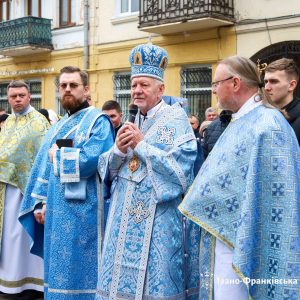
(288, 49)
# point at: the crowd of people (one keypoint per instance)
(159, 206)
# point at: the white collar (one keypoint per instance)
(151, 112)
(250, 104)
(26, 111)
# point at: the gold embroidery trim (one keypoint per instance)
(18, 283)
(2, 199)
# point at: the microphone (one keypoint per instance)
(133, 110)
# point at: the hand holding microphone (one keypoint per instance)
(129, 135)
(137, 136)
(133, 110)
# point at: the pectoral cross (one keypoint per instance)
(139, 212)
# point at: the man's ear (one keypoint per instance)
(86, 91)
(293, 85)
(236, 83)
(162, 89)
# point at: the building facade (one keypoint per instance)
(196, 35)
(39, 37)
(268, 30)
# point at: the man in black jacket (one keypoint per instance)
(214, 130)
(281, 78)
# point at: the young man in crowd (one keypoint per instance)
(281, 79)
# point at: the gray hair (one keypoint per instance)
(210, 110)
(246, 70)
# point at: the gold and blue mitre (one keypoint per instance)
(148, 60)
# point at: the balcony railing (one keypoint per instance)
(165, 12)
(24, 36)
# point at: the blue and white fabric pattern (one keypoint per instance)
(149, 250)
(148, 60)
(247, 195)
(74, 217)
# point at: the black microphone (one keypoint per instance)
(133, 110)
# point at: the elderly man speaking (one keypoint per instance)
(147, 247)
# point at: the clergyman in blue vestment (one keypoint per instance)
(246, 196)
(149, 250)
(67, 188)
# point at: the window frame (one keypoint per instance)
(203, 91)
(69, 22)
(29, 6)
(122, 95)
(129, 12)
(7, 10)
(3, 96)
(35, 96)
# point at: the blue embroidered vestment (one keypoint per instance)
(71, 189)
(148, 250)
(247, 194)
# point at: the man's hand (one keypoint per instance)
(51, 151)
(123, 138)
(128, 136)
(40, 216)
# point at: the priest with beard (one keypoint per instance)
(63, 203)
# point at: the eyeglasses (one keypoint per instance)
(72, 85)
(214, 84)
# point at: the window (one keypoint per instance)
(3, 96)
(129, 6)
(66, 13)
(5, 10)
(196, 87)
(34, 8)
(35, 89)
(122, 91)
